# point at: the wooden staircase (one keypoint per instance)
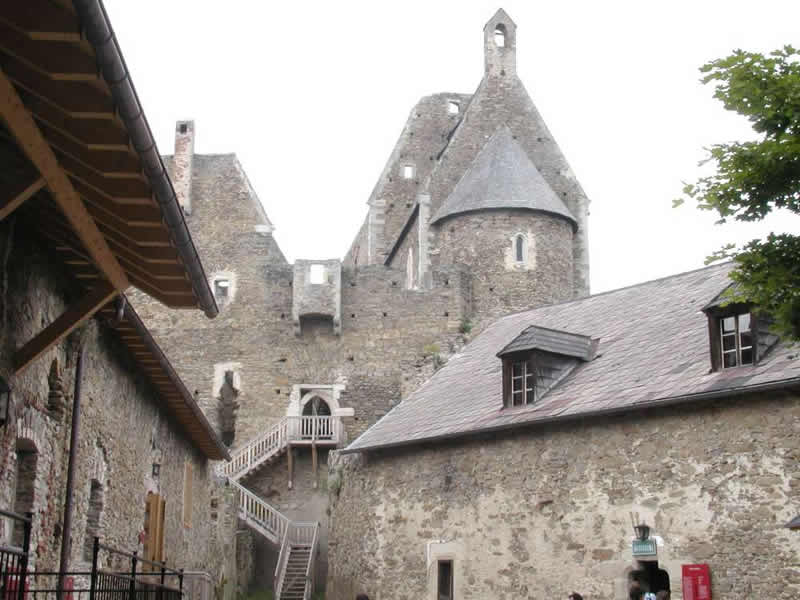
(298, 541)
(294, 580)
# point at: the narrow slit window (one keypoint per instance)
(519, 248)
(316, 274)
(453, 108)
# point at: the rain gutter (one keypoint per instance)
(97, 30)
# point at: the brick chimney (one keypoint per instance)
(182, 171)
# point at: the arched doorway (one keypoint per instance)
(320, 426)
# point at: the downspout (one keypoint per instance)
(66, 536)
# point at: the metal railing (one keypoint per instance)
(126, 577)
(14, 560)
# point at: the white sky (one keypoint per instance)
(312, 96)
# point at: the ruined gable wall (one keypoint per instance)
(503, 100)
(424, 135)
(717, 482)
(124, 428)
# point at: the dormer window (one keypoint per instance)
(537, 359)
(736, 340)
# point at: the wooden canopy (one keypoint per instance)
(78, 164)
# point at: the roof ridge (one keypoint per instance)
(619, 289)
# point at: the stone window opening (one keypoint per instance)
(500, 35)
(444, 585)
(408, 171)
(182, 127)
(221, 290)
(228, 406)
(736, 340)
(453, 107)
(316, 274)
(93, 518)
(27, 459)
(520, 248)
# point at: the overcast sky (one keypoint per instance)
(312, 97)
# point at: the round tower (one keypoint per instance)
(506, 224)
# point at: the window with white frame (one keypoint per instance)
(736, 340)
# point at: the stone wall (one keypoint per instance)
(500, 285)
(717, 482)
(124, 429)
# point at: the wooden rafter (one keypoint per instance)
(12, 199)
(22, 126)
(63, 325)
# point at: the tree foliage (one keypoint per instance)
(753, 178)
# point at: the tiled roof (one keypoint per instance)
(502, 176)
(653, 348)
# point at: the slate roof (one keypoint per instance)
(502, 176)
(551, 340)
(653, 349)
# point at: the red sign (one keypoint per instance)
(696, 582)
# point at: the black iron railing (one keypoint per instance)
(14, 560)
(115, 575)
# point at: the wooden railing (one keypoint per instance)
(276, 438)
(280, 568)
(312, 556)
(264, 516)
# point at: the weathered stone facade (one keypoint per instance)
(124, 429)
(541, 512)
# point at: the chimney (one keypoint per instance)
(182, 169)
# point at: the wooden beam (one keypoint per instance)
(15, 199)
(73, 317)
(30, 139)
(56, 59)
(42, 20)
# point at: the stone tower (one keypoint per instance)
(478, 180)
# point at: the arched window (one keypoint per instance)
(500, 35)
(519, 248)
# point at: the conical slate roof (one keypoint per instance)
(502, 176)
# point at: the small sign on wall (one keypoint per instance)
(644, 547)
(696, 582)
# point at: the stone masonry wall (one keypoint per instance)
(717, 482)
(485, 242)
(123, 430)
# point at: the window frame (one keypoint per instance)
(528, 389)
(716, 320)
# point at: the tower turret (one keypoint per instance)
(500, 45)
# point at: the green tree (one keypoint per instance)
(754, 178)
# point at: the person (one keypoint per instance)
(575, 596)
(635, 592)
(362, 597)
